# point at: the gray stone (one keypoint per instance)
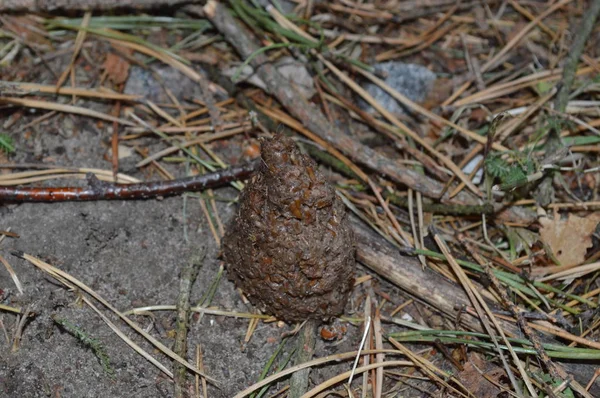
(142, 80)
(413, 81)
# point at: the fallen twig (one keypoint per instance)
(100, 190)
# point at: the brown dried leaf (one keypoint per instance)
(476, 376)
(569, 239)
(117, 68)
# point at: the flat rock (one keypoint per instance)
(412, 80)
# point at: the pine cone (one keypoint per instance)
(290, 247)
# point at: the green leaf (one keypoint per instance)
(132, 22)
(515, 178)
(497, 167)
(566, 393)
(544, 87)
(6, 143)
(583, 140)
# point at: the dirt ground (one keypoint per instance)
(131, 253)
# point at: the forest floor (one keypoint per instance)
(490, 149)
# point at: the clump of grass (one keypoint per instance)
(554, 383)
(6, 143)
(513, 174)
(87, 341)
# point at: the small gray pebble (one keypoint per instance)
(413, 81)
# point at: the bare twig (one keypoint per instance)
(99, 190)
(432, 288)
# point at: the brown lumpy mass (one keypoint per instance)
(290, 247)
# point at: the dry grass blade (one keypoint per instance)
(180, 66)
(201, 310)
(432, 371)
(209, 220)
(199, 140)
(126, 339)
(547, 327)
(342, 376)
(494, 60)
(200, 365)
(575, 272)
(315, 362)
(424, 43)
(18, 334)
(163, 114)
(34, 88)
(63, 276)
(504, 89)
(362, 38)
(20, 181)
(7, 232)
(12, 274)
(53, 106)
(15, 178)
(78, 44)
(418, 108)
(191, 128)
(367, 337)
(65, 175)
(531, 17)
(360, 347)
(379, 358)
(483, 311)
(8, 308)
(406, 238)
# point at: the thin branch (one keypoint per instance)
(100, 190)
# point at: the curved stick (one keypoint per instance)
(99, 190)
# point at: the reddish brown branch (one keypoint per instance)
(99, 190)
